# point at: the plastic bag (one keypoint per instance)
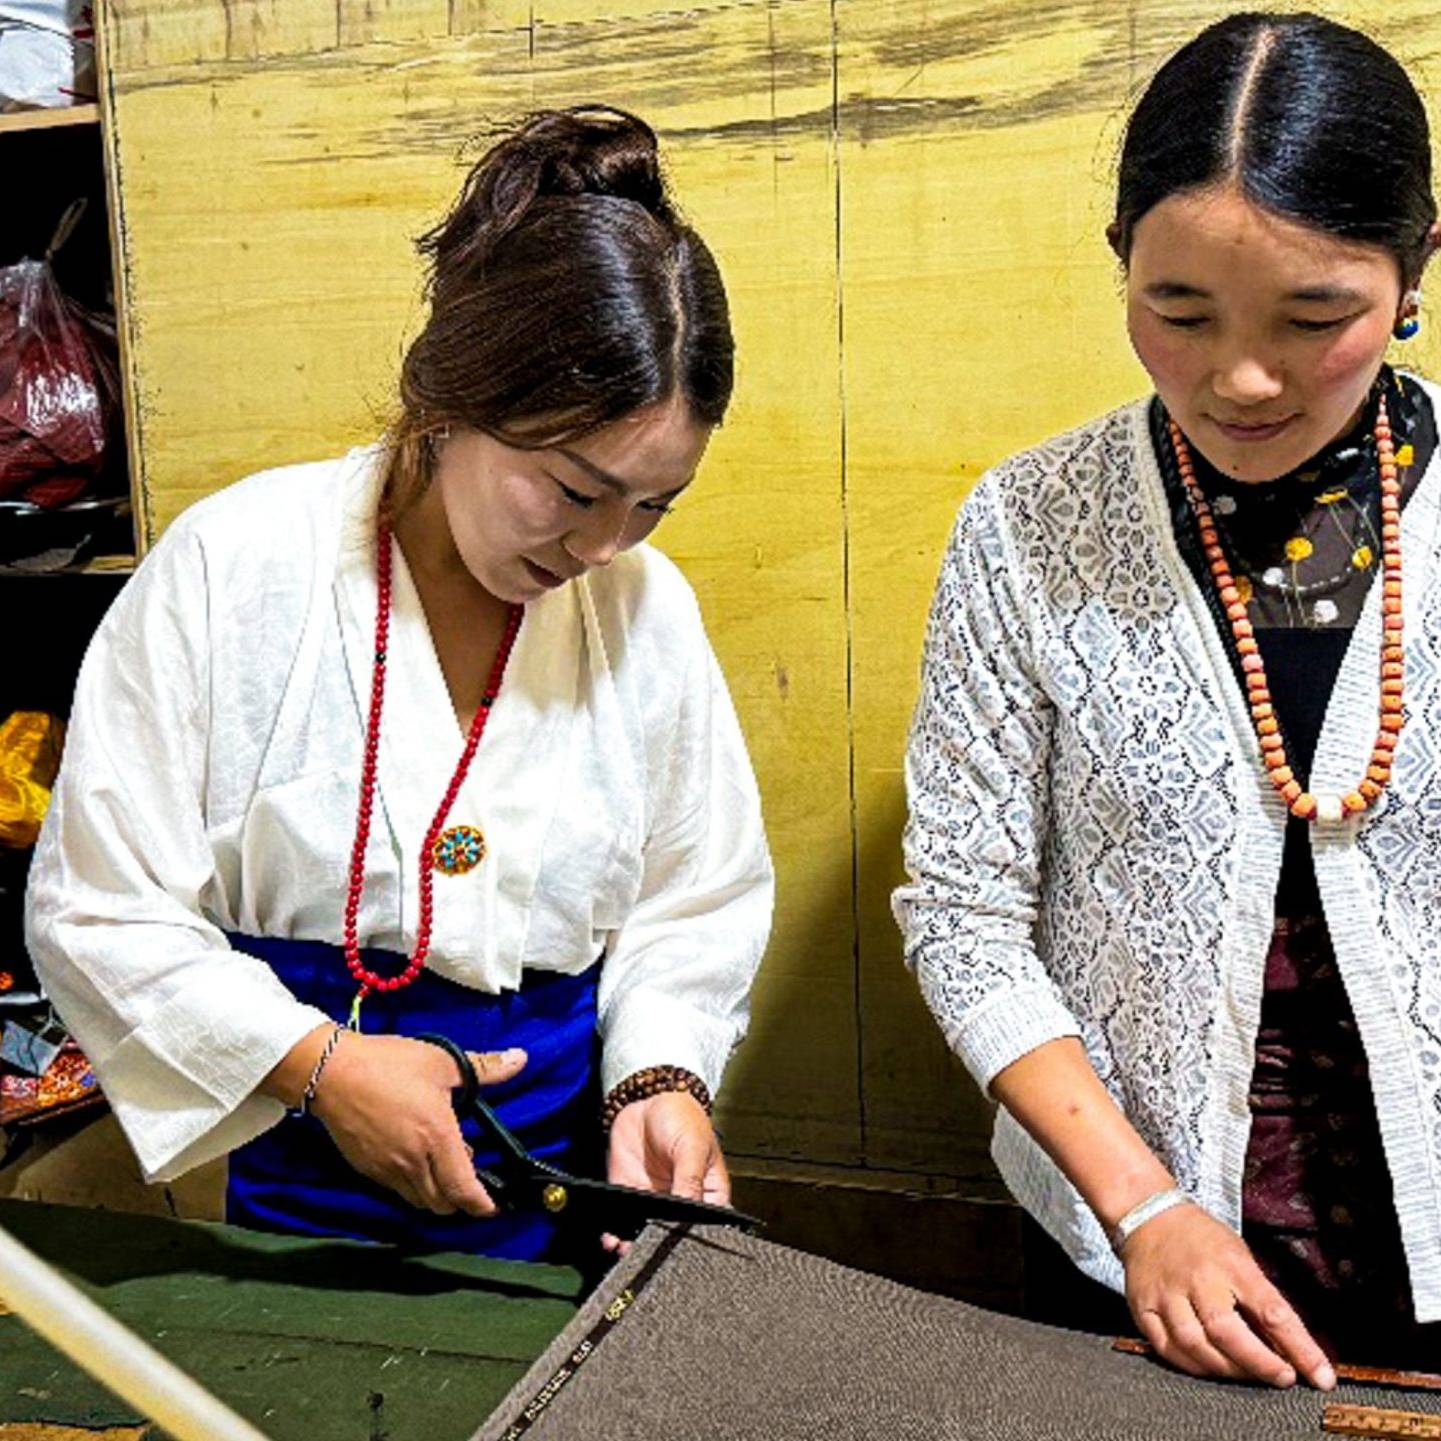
(59, 384)
(47, 53)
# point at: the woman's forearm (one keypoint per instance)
(1056, 1095)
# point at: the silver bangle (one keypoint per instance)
(307, 1096)
(1147, 1210)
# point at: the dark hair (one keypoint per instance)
(565, 292)
(1312, 120)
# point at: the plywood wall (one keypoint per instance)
(907, 198)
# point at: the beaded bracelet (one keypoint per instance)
(652, 1081)
(307, 1096)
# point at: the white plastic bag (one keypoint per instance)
(47, 53)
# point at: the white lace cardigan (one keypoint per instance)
(1094, 849)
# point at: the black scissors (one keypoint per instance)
(519, 1181)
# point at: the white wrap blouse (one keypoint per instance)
(211, 778)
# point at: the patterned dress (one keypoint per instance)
(1317, 1204)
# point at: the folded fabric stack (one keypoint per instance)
(67, 1085)
(43, 1073)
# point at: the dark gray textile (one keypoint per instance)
(703, 1333)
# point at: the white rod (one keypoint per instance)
(112, 1353)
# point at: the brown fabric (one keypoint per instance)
(706, 1333)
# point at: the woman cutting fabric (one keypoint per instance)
(1174, 848)
(425, 740)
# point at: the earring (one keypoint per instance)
(1409, 321)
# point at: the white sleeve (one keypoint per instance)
(976, 780)
(179, 1027)
(675, 985)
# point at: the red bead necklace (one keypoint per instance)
(430, 852)
(1258, 695)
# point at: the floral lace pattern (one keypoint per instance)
(1057, 683)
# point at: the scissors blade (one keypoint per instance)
(623, 1210)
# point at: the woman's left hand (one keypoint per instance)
(667, 1143)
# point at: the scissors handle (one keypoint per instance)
(469, 1088)
(516, 1163)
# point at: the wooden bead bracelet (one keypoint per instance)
(653, 1081)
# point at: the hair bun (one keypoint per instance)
(590, 150)
(583, 150)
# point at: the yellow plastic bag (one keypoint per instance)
(30, 743)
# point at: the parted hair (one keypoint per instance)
(1313, 120)
(564, 292)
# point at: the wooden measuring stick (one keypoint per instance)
(114, 1355)
(1375, 1421)
(1359, 1375)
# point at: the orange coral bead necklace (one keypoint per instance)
(1300, 801)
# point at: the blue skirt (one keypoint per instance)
(294, 1179)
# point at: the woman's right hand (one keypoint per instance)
(1205, 1306)
(386, 1101)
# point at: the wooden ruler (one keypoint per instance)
(1375, 1421)
(1358, 1375)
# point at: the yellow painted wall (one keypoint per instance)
(907, 198)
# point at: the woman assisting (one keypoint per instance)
(1173, 844)
(425, 739)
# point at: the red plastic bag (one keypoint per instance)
(59, 385)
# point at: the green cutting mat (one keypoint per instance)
(309, 1340)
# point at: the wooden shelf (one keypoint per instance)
(47, 119)
(119, 566)
(109, 565)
